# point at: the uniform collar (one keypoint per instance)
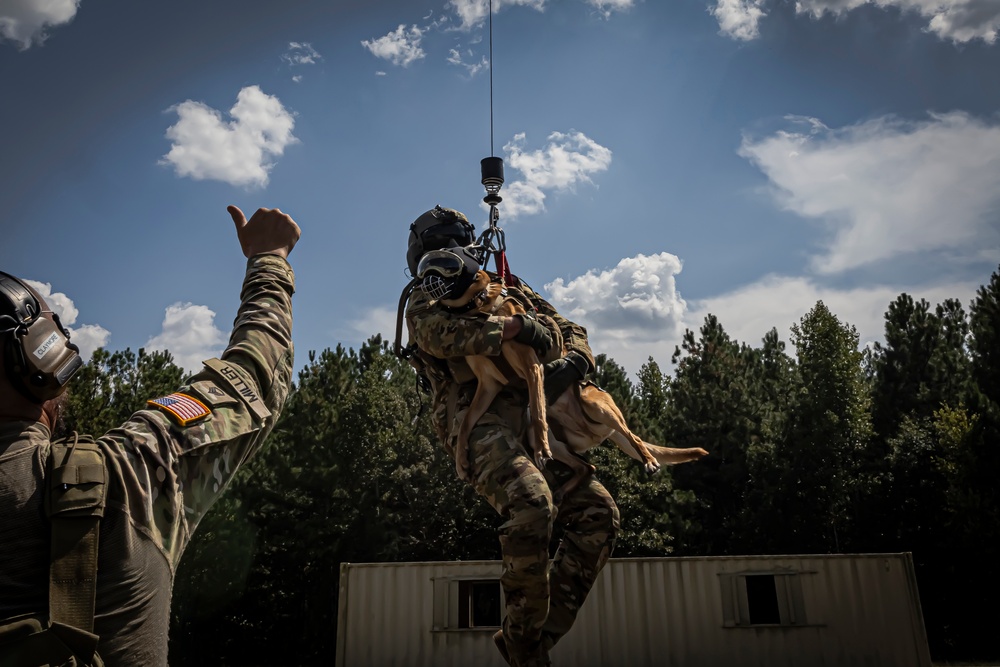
(23, 430)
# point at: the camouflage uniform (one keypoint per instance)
(542, 599)
(163, 478)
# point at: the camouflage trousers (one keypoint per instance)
(542, 597)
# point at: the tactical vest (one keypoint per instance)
(75, 496)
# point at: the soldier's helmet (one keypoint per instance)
(437, 228)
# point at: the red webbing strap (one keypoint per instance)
(503, 270)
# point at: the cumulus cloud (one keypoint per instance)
(630, 311)
(88, 337)
(400, 47)
(955, 20)
(240, 151)
(25, 21)
(739, 19)
(566, 160)
(888, 187)
(190, 335)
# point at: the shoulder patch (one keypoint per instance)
(182, 408)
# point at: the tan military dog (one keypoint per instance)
(491, 298)
(581, 418)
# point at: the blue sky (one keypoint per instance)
(664, 160)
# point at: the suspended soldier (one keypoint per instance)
(542, 598)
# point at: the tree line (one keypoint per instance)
(820, 447)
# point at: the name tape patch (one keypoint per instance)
(183, 408)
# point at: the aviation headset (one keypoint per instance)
(38, 356)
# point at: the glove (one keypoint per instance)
(534, 334)
(562, 373)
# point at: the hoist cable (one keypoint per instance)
(492, 153)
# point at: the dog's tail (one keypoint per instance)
(665, 456)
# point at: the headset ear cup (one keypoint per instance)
(49, 360)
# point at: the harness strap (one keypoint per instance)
(75, 500)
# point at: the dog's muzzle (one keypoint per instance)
(435, 286)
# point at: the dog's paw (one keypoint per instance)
(542, 459)
(462, 467)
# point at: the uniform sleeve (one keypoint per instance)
(574, 335)
(446, 335)
(172, 469)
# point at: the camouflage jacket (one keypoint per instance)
(162, 477)
(444, 338)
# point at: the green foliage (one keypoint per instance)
(922, 363)
(711, 404)
(828, 433)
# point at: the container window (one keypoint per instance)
(479, 604)
(755, 599)
(762, 599)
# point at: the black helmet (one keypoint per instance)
(438, 228)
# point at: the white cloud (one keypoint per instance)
(631, 311)
(88, 337)
(301, 53)
(400, 47)
(608, 7)
(239, 152)
(566, 160)
(739, 19)
(190, 335)
(377, 320)
(25, 21)
(955, 20)
(889, 187)
(472, 68)
(472, 13)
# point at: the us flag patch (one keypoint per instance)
(185, 409)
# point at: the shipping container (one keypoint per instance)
(731, 611)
